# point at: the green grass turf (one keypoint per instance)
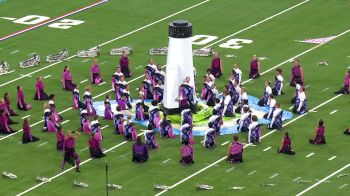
(274, 39)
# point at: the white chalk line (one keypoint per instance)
(324, 179)
(24, 117)
(14, 52)
(251, 173)
(309, 155)
(43, 144)
(104, 127)
(83, 81)
(64, 122)
(117, 38)
(266, 149)
(223, 144)
(273, 176)
(166, 160)
(47, 76)
(333, 157)
(334, 111)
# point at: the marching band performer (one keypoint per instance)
(206, 88)
(187, 95)
(7, 104)
(118, 121)
(139, 151)
(40, 93)
(95, 147)
(58, 118)
(276, 121)
(267, 92)
(150, 137)
(319, 134)
(4, 125)
(212, 94)
(108, 114)
(286, 145)
(300, 106)
(158, 91)
(296, 92)
(254, 133)
(166, 129)
(67, 79)
(271, 103)
(141, 109)
(346, 85)
(49, 120)
(96, 128)
(215, 122)
(237, 73)
(277, 89)
(76, 99)
(297, 73)
(159, 75)
(235, 151)
(60, 137)
(147, 87)
(216, 66)
(254, 68)
(209, 138)
(21, 103)
(85, 122)
(186, 153)
(89, 102)
(27, 134)
(69, 151)
(186, 117)
(130, 133)
(186, 133)
(228, 105)
(116, 77)
(154, 115)
(124, 64)
(95, 73)
(245, 120)
(218, 108)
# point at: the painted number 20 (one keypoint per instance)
(36, 19)
(232, 43)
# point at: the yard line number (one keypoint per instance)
(36, 19)
(235, 43)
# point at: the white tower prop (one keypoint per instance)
(179, 63)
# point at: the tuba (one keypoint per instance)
(4, 67)
(34, 61)
(120, 51)
(57, 57)
(158, 51)
(92, 52)
(204, 52)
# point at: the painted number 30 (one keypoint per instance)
(36, 19)
(232, 43)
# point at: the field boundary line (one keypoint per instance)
(112, 40)
(53, 20)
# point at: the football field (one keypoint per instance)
(267, 28)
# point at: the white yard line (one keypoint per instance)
(14, 52)
(325, 89)
(84, 149)
(309, 155)
(43, 144)
(324, 179)
(274, 175)
(256, 24)
(47, 76)
(251, 173)
(138, 67)
(86, 60)
(124, 155)
(296, 179)
(31, 54)
(104, 127)
(333, 157)
(307, 86)
(342, 186)
(102, 83)
(103, 62)
(83, 81)
(266, 149)
(166, 161)
(223, 144)
(117, 38)
(232, 168)
(334, 111)
(25, 117)
(64, 122)
(26, 75)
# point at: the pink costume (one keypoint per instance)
(95, 74)
(21, 104)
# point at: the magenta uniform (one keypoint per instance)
(296, 75)
(67, 80)
(27, 135)
(215, 68)
(254, 69)
(124, 66)
(40, 93)
(21, 103)
(95, 73)
(236, 152)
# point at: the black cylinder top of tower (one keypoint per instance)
(180, 29)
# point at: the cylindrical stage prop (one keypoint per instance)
(179, 64)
